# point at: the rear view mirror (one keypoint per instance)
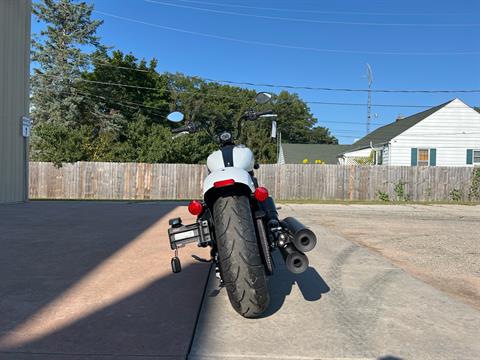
(263, 98)
(175, 116)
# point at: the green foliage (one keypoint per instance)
(60, 53)
(456, 195)
(91, 104)
(474, 194)
(383, 196)
(400, 191)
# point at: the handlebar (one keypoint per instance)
(180, 129)
(261, 113)
(253, 115)
(191, 127)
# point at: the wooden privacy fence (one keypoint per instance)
(127, 181)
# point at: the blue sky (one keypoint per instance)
(222, 59)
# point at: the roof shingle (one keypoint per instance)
(386, 133)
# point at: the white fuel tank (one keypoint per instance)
(242, 158)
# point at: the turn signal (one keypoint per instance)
(195, 207)
(261, 194)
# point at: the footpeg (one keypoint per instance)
(198, 258)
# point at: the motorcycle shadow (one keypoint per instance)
(310, 283)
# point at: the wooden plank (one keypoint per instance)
(124, 181)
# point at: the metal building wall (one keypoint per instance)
(14, 76)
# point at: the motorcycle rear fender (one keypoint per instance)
(240, 176)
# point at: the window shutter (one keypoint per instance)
(414, 157)
(433, 157)
(469, 156)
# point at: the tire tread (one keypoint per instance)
(239, 255)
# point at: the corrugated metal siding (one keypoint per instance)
(14, 75)
(451, 130)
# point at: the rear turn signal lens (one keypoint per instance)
(261, 194)
(223, 183)
(195, 207)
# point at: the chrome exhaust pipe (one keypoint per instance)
(295, 261)
(302, 237)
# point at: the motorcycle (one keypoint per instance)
(238, 219)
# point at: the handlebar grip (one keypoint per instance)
(181, 129)
(268, 112)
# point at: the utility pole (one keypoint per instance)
(369, 103)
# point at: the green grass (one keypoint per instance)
(375, 202)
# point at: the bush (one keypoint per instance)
(400, 191)
(456, 195)
(475, 186)
(382, 195)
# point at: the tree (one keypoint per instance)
(93, 105)
(126, 85)
(297, 123)
(60, 57)
(60, 53)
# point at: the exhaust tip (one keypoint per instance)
(305, 240)
(296, 262)
(302, 237)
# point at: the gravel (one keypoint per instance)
(438, 244)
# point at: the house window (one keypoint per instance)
(423, 157)
(476, 157)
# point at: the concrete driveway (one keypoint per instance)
(350, 304)
(91, 280)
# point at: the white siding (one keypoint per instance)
(451, 130)
(349, 157)
(359, 153)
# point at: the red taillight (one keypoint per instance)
(195, 207)
(261, 194)
(223, 183)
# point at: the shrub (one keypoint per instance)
(456, 195)
(383, 195)
(475, 186)
(400, 191)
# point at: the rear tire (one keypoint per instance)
(241, 265)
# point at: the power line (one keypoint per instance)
(301, 87)
(296, 87)
(340, 132)
(336, 133)
(325, 12)
(325, 22)
(229, 96)
(136, 105)
(277, 45)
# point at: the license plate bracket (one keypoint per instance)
(181, 235)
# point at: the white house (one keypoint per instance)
(446, 135)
